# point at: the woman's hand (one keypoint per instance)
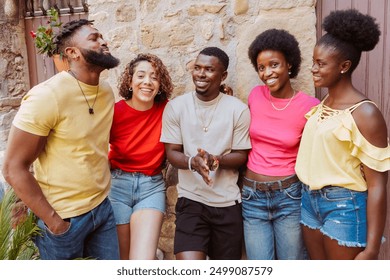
(366, 255)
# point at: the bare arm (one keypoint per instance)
(376, 212)
(375, 131)
(23, 148)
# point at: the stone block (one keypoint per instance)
(171, 195)
(202, 9)
(165, 244)
(240, 7)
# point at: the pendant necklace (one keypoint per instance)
(90, 108)
(205, 126)
(288, 103)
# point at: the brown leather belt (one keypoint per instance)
(271, 186)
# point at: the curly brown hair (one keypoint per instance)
(166, 86)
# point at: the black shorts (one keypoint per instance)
(216, 231)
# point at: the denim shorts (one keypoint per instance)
(338, 213)
(131, 192)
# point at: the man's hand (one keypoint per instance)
(203, 163)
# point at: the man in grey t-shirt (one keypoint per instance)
(206, 137)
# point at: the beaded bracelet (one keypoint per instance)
(189, 164)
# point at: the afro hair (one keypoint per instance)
(277, 40)
(350, 32)
(353, 27)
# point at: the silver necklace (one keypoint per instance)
(288, 103)
(205, 126)
(90, 108)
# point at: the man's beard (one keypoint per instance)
(107, 61)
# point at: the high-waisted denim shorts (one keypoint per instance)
(131, 192)
(337, 212)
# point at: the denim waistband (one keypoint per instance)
(326, 189)
(119, 172)
(272, 185)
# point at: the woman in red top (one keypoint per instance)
(137, 156)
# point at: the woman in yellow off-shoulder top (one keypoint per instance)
(344, 153)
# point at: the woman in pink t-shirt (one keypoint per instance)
(137, 156)
(271, 194)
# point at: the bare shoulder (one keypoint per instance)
(371, 124)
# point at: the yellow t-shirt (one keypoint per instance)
(332, 150)
(72, 170)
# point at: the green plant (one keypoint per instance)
(16, 234)
(45, 34)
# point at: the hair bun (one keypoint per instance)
(353, 27)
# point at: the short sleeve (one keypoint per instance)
(171, 132)
(241, 139)
(374, 157)
(38, 113)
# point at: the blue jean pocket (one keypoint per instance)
(156, 178)
(246, 193)
(44, 227)
(294, 191)
(337, 194)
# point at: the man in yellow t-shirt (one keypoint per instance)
(62, 127)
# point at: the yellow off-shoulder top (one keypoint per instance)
(332, 150)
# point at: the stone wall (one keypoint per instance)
(14, 79)
(176, 31)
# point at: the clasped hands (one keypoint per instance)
(203, 163)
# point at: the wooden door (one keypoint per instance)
(42, 67)
(372, 76)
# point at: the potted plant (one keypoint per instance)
(44, 39)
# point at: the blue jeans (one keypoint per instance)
(91, 235)
(271, 223)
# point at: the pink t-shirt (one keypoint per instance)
(275, 134)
